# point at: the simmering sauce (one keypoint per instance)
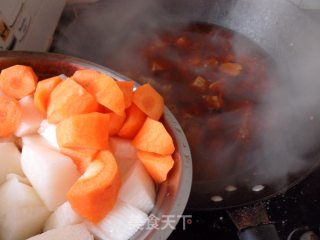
(212, 80)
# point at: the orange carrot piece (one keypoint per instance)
(43, 91)
(85, 77)
(149, 101)
(68, 99)
(18, 81)
(80, 157)
(10, 116)
(133, 123)
(107, 92)
(84, 131)
(95, 193)
(127, 90)
(153, 137)
(115, 124)
(158, 166)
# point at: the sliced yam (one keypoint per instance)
(18, 81)
(86, 77)
(31, 117)
(116, 122)
(49, 132)
(35, 139)
(95, 193)
(61, 217)
(124, 152)
(68, 99)
(149, 101)
(134, 121)
(71, 232)
(107, 93)
(81, 157)
(18, 178)
(138, 189)
(158, 166)
(9, 160)
(120, 224)
(84, 131)
(10, 116)
(127, 89)
(43, 91)
(22, 212)
(50, 173)
(153, 137)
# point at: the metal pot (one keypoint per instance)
(173, 194)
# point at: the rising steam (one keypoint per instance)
(112, 30)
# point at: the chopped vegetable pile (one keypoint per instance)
(79, 155)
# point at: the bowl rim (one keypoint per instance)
(181, 196)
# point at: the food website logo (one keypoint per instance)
(164, 222)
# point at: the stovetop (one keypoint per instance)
(296, 215)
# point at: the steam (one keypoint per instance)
(292, 114)
(112, 30)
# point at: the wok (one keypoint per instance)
(172, 194)
(289, 35)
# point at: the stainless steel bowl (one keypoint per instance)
(173, 194)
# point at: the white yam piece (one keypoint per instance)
(71, 232)
(50, 173)
(9, 160)
(31, 117)
(22, 213)
(63, 216)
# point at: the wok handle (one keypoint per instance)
(262, 232)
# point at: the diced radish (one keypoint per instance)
(48, 132)
(62, 216)
(124, 152)
(18, 178)
(72, 232)
(120, 224)
(22, 213)
(35, 139)
(31, 117)
(138, 189)
(50, 173)
(9, 160)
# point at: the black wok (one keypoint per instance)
(286, 33)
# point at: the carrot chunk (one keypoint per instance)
(127, 89)
(106, 91)
(95, 193)
(158, 166)
(81, 157)
(18, 81)
(149, 101)
(43, 91)
(116, 123)
(153, 137)
(85, 77)
(84, 131)
(133, 123)
(67, 99)
(10, 116)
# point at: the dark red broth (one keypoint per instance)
(213, 81)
